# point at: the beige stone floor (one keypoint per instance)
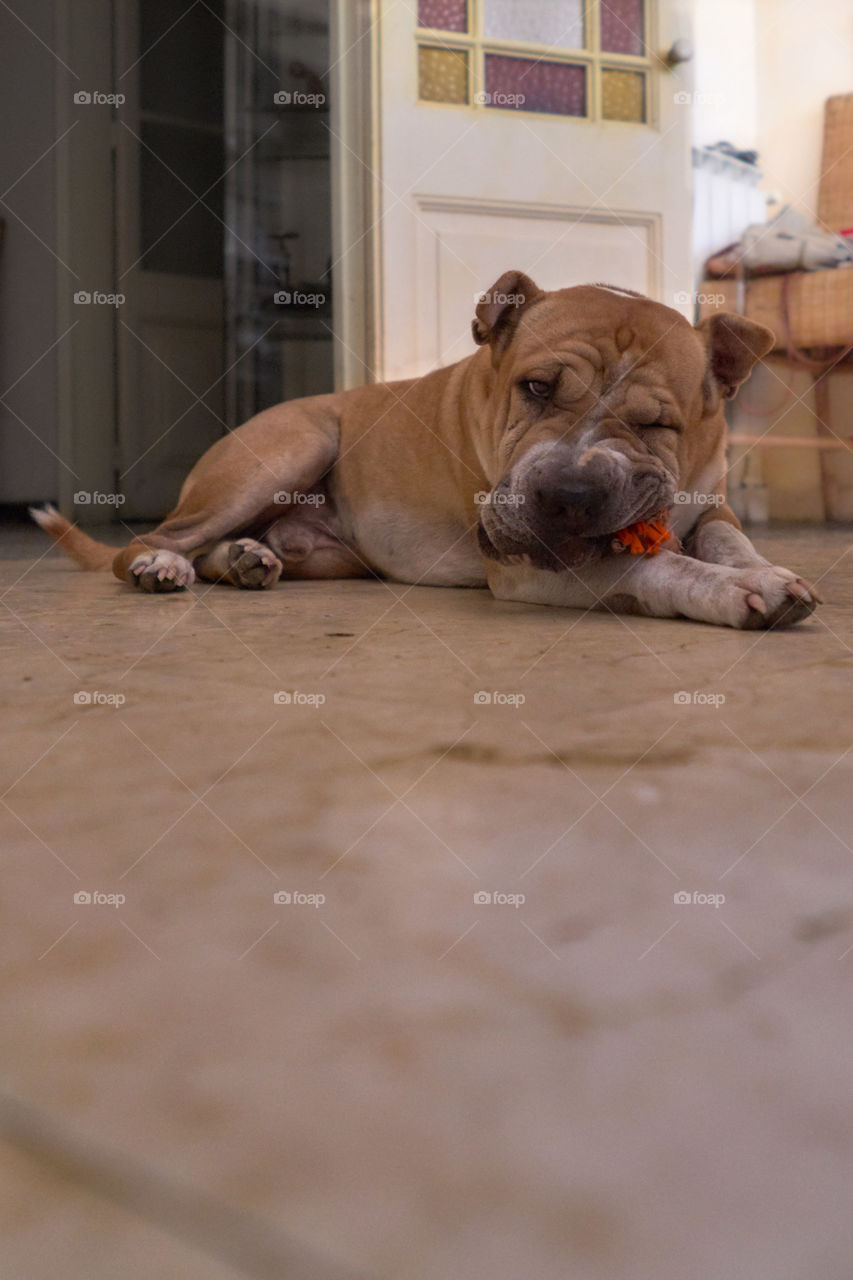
(594, 1082)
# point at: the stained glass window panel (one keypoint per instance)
(529, 84)
(622, 26)
(442, 74)
(447, 15)
(623, 95)
(558, 23)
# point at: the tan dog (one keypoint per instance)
(585, 410)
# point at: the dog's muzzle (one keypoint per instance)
(552, 513)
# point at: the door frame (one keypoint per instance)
(356, 164)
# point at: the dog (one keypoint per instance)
(584, 411)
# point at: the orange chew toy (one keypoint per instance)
(646, 537)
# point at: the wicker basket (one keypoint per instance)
(820, 305)
(835, 194)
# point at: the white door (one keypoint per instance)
(549, 135)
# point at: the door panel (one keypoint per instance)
(462, 244)
(588, 179)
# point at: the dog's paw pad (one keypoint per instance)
(161, 571)
(252, 565)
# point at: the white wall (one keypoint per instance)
(763, 70)
(725, 72)
(805, 55)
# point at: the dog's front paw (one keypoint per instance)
(252, 565)
(161, 571)
(772, 597)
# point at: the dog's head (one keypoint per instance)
(603, 404)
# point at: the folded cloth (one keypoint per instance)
(788, 242)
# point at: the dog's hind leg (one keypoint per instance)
(243, 563)
(238, 483)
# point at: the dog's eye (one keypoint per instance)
(537, 388)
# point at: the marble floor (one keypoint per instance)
(342, 935)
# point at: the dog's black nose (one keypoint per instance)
(573, 507)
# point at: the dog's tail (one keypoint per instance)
(88, 553)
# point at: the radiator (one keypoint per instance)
(726, 199)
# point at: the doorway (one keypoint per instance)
(220, 170)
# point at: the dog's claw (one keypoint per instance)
(805, 591)
(149, 574)
(755, 602)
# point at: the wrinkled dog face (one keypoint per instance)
(595, 390)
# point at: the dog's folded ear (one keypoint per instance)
(733, 344)
(500, 308)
